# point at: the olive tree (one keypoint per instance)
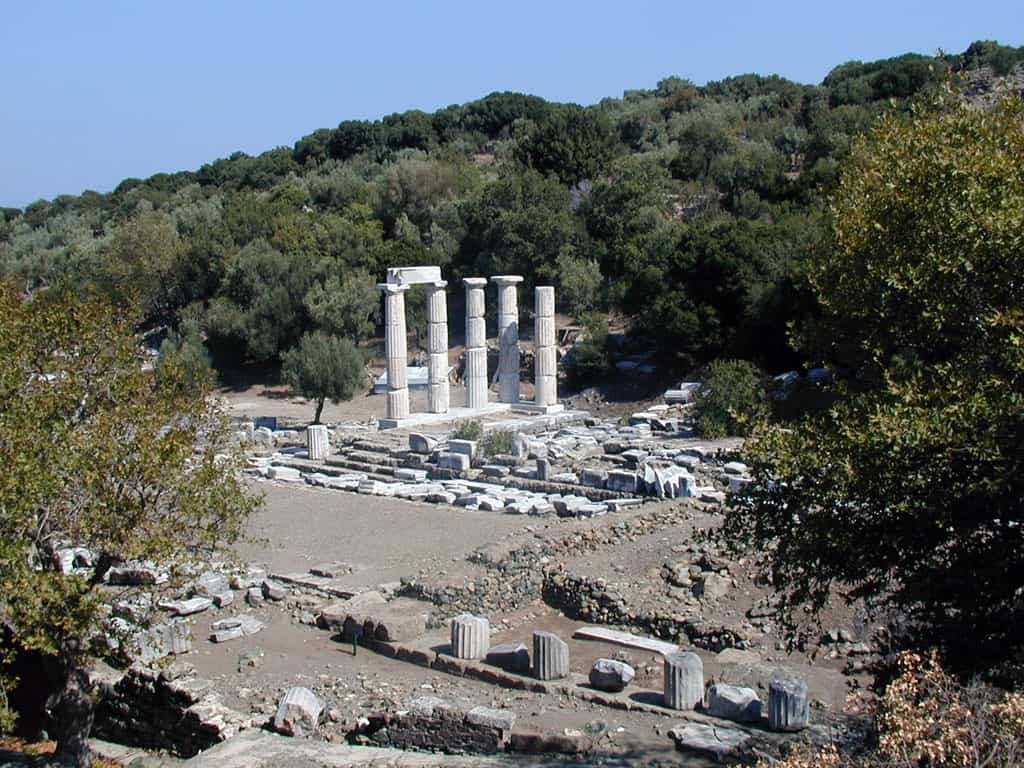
(101, 453)
(324, 367)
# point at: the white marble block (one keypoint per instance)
(470, 636)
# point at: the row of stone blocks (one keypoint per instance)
(684, 689)
(471, 639)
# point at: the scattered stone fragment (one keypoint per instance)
(238, 626)
(274, 591)
(611, 675)
(298, 713)
(186, 607)
(711, 586)
(254, 596)
(731, 702)
(711, 741)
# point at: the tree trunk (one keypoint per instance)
(71, 715)
(319, 409)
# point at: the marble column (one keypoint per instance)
(476, 343)
(470, 636)
(684, 680)
(545, 381)
(508, 337)
(317, 442)
(550, 656)
(395, 350)
(438, 394)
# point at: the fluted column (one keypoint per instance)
(684, 680)
(394, 350)
(476, 343)
(317, 443)
(787, 704)
(550, 656)
(545, 382)
(508, 337)
(470, 636)
(438, 394)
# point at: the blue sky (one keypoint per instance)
(95, 91)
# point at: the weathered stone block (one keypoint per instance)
(467, 447)
(731, 702)
(501, 719)
(420, 443)
(513, 657)
(621, 481)
(611, 675)
(455, 461)
(710, 741)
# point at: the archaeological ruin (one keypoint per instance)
(476, 380)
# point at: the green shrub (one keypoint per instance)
(591, 361)
(498, 442)
(732, 399)
(470, 429)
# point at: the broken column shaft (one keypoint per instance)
(508, 337)
(437, 348)
(395, 350)
(476, 343)
(545, 382)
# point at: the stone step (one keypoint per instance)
(366, 445)
(366, 467)
(370, 457)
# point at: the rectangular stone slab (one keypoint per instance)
(414, 275)
(627, 639)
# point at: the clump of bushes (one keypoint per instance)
(498, 442)
(926, 717)
(470, 429)
(732, 400)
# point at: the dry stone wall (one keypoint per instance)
(169, 709)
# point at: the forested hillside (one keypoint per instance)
(689, 209)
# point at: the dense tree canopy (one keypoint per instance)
(908, 492)
(689, 208)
